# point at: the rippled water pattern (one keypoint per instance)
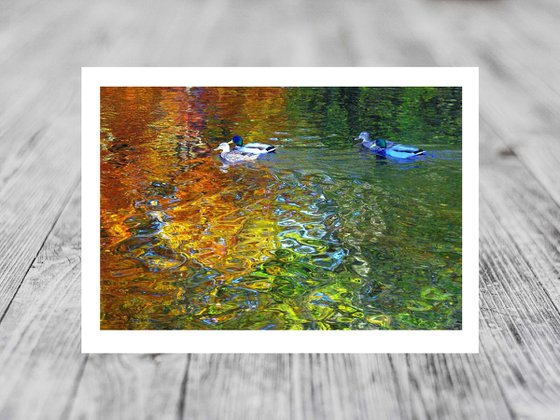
(320, 235)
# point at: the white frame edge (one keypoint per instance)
(95, 340)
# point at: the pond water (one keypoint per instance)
(321, 234)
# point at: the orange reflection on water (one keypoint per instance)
(169, 206)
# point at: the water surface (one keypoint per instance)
(320, 235)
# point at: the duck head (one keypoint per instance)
(223, 147)
(363, 136)
(381, 143)
(237, 140)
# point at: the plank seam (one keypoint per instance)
(57, 218)
(522, 162)
(183, 389)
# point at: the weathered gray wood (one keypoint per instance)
(39, 336)
(516, 47)
(149, 386)
(514, 42)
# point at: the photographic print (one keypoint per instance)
(278, 207)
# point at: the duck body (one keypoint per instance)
(385, 148)
(235, 156)
(252, 148)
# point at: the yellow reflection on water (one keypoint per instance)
(167, 201)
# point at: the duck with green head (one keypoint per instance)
(252, 148)
(382, 147)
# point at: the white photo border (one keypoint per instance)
(95, 340)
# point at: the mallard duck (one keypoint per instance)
(234, 156)
(383, 147)
(253, 148)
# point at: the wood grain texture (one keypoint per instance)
(515, 44)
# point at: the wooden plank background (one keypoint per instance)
(42, 47)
